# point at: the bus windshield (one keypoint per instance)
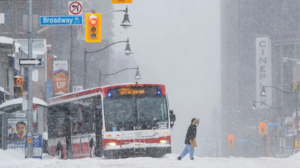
(135, 113)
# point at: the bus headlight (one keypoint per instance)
(111, 144)
(164, 141)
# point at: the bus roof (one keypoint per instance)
(93, 92)
(19, 101)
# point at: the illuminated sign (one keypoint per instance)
(128, 91)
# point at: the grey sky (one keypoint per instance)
(177, 43)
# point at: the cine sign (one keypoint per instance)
(120, 1)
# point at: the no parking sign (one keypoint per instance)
(37, 146)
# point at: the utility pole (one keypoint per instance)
(100, 75)
(85, 68)
(30, 87)
(71, 60)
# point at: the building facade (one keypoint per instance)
(242, 22)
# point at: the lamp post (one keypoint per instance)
(125, 24)
(216, 143)
(127, 53)
(277, 109)
(295, 93)
(285, 59)
(137, 75)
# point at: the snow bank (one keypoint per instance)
(15, 158)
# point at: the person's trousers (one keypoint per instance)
(186, 150)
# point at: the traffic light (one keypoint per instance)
(230, 140)
(262, 128)
(295, 87)
(297, 143)
(18, 85)
(93, 27)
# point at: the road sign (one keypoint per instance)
(243, 140)
(32, 61)
(37, 146)
(274, 124)
(75, 7)
(120, 1)
(60, 20)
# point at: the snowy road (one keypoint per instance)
(10, 158)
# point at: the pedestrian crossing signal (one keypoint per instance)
(297, 143)
(262, 128)
(230, 140)
(18, 85)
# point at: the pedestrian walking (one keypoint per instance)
(190, 140)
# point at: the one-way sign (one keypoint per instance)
(32, 61)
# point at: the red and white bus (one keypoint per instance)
(134, 118)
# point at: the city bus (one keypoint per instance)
(116, 121)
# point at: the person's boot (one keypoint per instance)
(179, 158)
(192, 158)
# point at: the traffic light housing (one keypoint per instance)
(295, 86)
(230, 140)
(18, 85)
(93, 27)
(262, 128)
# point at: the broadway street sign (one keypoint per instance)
(274, 124)
(32, 61)
(243, 140)
(60, 20)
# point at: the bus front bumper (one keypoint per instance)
(136, 152)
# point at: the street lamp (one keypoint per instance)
(126, 23)
(295, 97)
(137, 75)
(127, 53)
(286, 59)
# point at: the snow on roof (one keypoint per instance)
(6, 40)
(3, 90)
(19, 101)
(45, 135)
(17, 46)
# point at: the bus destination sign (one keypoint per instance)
(128, 91)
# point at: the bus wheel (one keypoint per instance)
(92, 151)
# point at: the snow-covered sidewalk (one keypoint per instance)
(15, 158)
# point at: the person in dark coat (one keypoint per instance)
(190, 140)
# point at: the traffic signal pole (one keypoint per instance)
(30, 88)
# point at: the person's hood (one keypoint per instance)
(195, 121)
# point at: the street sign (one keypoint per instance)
(120, 1)
(37, 146)
(60, 20)
(243, 140)
(32, 61)
(274, 124)
(75, 7)
(2, 18)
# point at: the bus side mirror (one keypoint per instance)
(172, 118)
